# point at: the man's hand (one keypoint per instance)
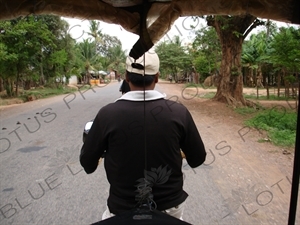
(182, 154)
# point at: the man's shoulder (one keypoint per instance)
(108, 107)
(117, 104)
(171, 104)
(174, 101)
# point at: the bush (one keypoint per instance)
(245, 110)
(279, 123)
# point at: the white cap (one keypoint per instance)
(151, 66)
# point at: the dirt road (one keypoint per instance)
(242, 181)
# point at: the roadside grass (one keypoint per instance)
(34, 94)
(199, 85)
(208, 95)
(279, 123)
(252, 97)
(46, 92)
(264, 97)
(245, 110)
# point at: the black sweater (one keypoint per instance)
(143, 136)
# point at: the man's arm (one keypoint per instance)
(192, 144)
(92, 148)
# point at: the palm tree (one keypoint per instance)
(87, 55)
(254, 55)
(117, 59)
(96, 33)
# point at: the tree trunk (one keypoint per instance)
(27, 85)
(286, 85)
(251, 84)
(42, 77)
(268, 91)
(87, 77)
(232, 30)
(278, 84)
(17, 83)
(1, 84)
(8, 87)
(230, 83)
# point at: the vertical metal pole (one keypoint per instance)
(296, 174)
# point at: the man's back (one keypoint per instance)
(147, 135)
(142, 135)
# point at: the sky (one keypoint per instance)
(181, 28)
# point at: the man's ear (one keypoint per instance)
(126, 77)
(156, 77)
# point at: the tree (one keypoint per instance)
(206, 51)
(232, 30)
(96, 33)
(56, 60)
(117, 59)
(285, 54)
(87, 56)
(174, 58)
(108, 42)
(254, 55)
(7, 62)
(23, 39)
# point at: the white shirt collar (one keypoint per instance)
(139, 95)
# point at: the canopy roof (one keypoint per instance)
(151, 19)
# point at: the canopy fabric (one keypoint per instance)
(151, 19)
(125, 12)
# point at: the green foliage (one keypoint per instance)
(37, 93)
(255, 50)
(206, 51)
(116, 59)
(245, 110)
(282, 137)
(34, 48)
(58, 58)
(24, 39)
(290, 78)
(202, 65)
(174, 58)
(264, 97)
(237, 34)
(101, 52)
(235, 71)
(107, 43)
(46, 92)
(86, 55)
(279, 123)
(285, 48)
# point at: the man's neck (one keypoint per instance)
(147, 88)
(141, 89)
